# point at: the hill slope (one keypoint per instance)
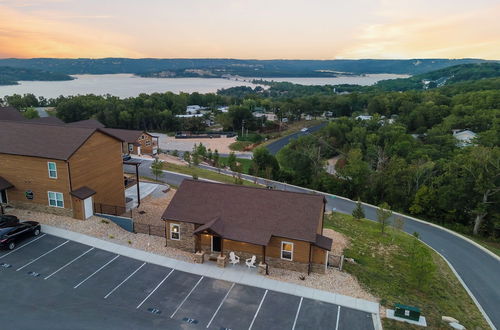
(247, 68)
(11, 75)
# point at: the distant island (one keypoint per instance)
(11, 75)
(223, 68)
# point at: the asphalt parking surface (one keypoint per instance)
(51, 283)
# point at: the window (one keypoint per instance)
(148, 143)
(130, 147)
(175, 231)
(287, 250)
(52, 170)
(56, 199)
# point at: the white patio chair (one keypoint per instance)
(233, 258)
(250, 262)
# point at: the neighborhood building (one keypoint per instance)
(194, 109)
(60, 169)
(280, 228)
(135, 142)
(465, 137)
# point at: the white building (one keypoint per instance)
(464, 137)
(194, 108)
(223, 109)
(364, 117)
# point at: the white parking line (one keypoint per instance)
(156, 288)
(220, 305)
(257, 311)
(125, 280)
(194, 287)
(69, 263)
(76, 286)
(32, 261)
(297, 314)
(338, 318)
(36, 239)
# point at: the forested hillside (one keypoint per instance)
(220, 67)
(11, 75)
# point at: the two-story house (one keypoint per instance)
(60, 169)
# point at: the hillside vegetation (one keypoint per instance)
(11, 75)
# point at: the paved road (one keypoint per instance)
(279, 144)
(479, 270)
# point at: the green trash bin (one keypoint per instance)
(407, 312)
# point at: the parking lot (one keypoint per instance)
(49, 282)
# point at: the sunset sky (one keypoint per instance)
(259, 29)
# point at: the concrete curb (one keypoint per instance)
(226, 274)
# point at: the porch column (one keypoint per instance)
(138, 190)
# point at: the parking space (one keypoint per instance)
(71, 276)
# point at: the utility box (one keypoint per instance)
(407, 312)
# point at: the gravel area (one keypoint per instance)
(221, 144)
(153, 206)
(172, 159)
(106, 230)
(340, 242)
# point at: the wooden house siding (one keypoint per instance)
(31, 174)
(98, 165)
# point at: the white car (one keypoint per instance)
(305, 129)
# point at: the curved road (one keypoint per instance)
(479, 270)
(279, 144)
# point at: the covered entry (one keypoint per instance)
(83, 205)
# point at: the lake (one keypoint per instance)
(128, 85)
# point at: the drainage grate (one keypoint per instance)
(34, 274)
(4, 265)
(154, 310)
(190, 321)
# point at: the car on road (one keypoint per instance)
(11, 235)
(305, 129)
(8, 220)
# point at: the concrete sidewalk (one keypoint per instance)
(227, 274)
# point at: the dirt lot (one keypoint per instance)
(171, 143)
(152, 207)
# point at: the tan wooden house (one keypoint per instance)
(60, 169)
(282, 229)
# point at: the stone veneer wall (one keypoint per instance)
(295, 266)
(187, 241)
(42, 208)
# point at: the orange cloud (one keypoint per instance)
(474, 34)
(25, 35)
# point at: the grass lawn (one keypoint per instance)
(205, 174)
(246, 163)
(384, 267)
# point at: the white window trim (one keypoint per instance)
(55, 193)
(281, 253)
(179, 232)
(55, 169)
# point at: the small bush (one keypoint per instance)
(111, 236)
(104, 221)
(130, 242)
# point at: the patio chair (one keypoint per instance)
(233, 258)
(250, 262)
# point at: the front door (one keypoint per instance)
(88, 207)
(216, 243)
(3, 196)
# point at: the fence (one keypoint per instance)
(112, 210)
(154, 230)
(335, 261)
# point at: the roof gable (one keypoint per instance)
(247, 214)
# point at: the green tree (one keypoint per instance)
(157, 168)
(231, 161)
(187, 157)
(30, 113)
(383, 214)
(422, 267)
(216, 159)
(358, 212)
